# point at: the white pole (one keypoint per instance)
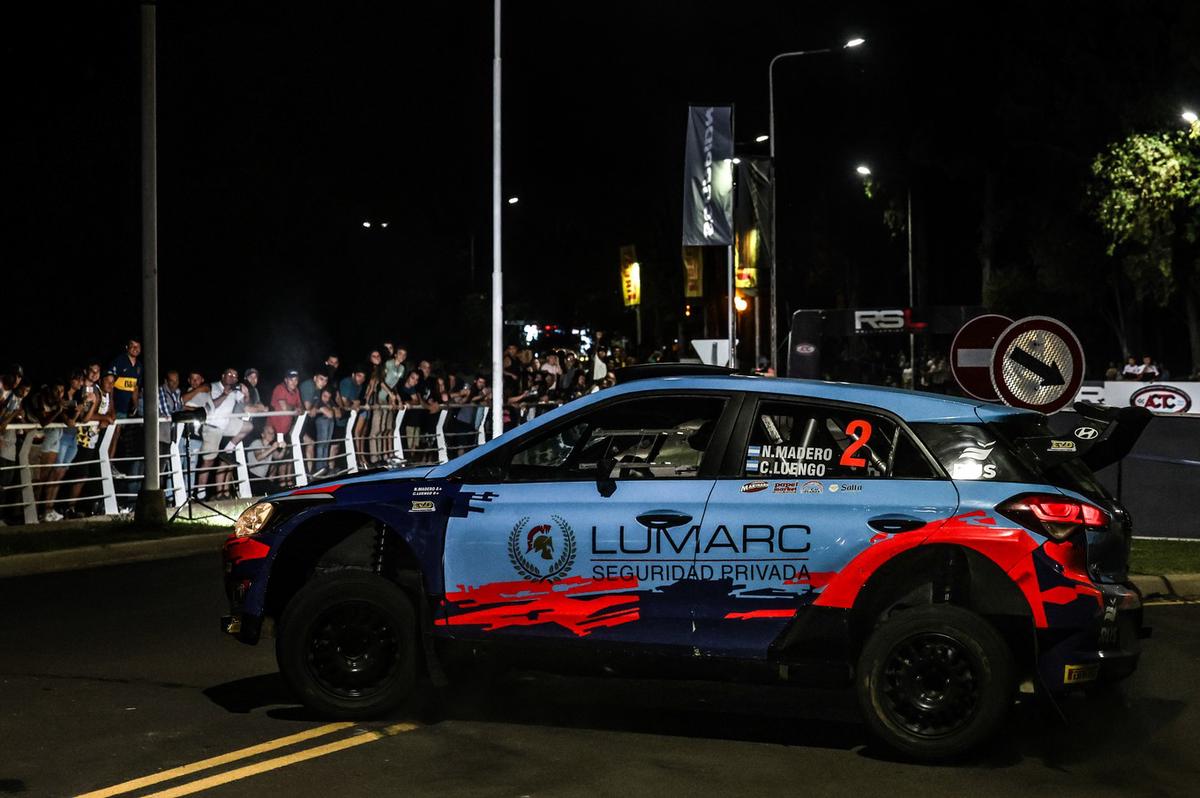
(497, 270)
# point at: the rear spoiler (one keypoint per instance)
(1105, 435)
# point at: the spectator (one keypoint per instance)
(100, 413)
(331, 365)
(10, 413)
(1131, 371)
(46, 408)
(261, 455)
(285, 397)
(352, 392)
(318, 425)
(128, 374)
(551, 366)
(68, 445)
(413, 401)
(220, 426)
(1111, 374)
(1149, 372)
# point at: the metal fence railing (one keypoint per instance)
(244, 465)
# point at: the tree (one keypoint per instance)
(1146, 197)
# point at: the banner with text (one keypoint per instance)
(693, 272)
(708, 177)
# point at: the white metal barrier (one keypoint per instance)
(392, 447)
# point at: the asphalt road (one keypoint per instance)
(114, 674)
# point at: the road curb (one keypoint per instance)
(44, 562)
(1172, 585)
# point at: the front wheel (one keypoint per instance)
(347, 645)
(935, 681)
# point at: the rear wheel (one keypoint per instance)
(347, 645)
(935, 681)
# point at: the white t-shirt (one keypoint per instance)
(226, 415)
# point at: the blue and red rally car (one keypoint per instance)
(936, 552)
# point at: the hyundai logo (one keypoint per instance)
(1086, 433)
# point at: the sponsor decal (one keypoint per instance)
(1061, 446)
(1086, 433)
(785, 487)
(422, 507)
(845, 487)
(805, 349)
(812, 487)
(787, 461)
(1161, 399)
(427, 490)
(1076, 674)
(544, 552)
(972, 463)
(754, 487)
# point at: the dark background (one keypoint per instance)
(282, 127)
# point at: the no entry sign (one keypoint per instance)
(971, 354)
(1037, 364)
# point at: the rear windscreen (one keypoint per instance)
(992, 452)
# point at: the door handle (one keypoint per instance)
(892, 524)
(663, 519)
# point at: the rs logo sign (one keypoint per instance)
(878, 320)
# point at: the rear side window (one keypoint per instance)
(971, 451)
(795, 440)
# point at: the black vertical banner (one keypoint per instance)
(708, 177)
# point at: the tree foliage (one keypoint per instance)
(1146, 197)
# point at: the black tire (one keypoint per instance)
(935, 681)
(347, 645)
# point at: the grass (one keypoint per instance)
(34, 539)
(1165, 557)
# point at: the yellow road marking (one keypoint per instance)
(1169, 602)
(223, 759)
(281, 761)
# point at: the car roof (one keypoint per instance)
(907, 404)
(912, 406)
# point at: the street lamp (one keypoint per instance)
(864, 171)
(1190, 117)
(740, 304)
(855, 42)
(761, 139)
(513, 200)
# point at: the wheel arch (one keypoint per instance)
(950, 574)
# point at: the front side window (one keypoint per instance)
(652, 438)
(792, 440)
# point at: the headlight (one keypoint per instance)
(253, 519)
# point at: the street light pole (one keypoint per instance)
(774, 203)
(151, 505)
(912, 336)
(497, 270)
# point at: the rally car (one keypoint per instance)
(935, 552)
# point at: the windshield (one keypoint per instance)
(991, 452)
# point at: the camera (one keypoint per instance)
(188, 414)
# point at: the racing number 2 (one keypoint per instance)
(860, 432)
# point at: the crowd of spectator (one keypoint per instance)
(73, 413)
(1146, 371)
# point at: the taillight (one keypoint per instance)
(1056, 517)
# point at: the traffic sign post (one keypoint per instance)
(971, 354)
(1037, 364)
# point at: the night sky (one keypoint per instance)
(283, 126)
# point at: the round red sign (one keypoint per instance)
(971, 354)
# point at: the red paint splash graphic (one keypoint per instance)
(577, 604)
(745, 616)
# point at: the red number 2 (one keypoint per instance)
(861, 431)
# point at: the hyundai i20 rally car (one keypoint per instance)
(934, 552)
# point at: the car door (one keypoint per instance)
(820, 483)
(589, 527)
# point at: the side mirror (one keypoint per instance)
(605, 484)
